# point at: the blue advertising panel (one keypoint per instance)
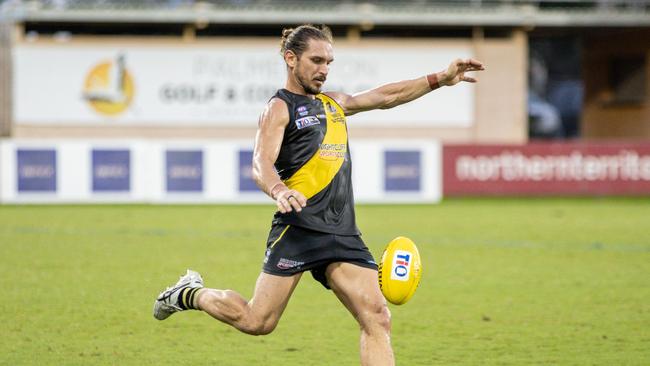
(111, 170)
(184, 171)
(402, 171)
(36, 170)
(246, 182)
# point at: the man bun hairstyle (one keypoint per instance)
(297, 39)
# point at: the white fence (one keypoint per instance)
(191, 171)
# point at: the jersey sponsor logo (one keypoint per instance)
(330, 107)
(307, 121)
(337, 118)
(332, 151)
(302, 111)
(335, 115)
(401, 266)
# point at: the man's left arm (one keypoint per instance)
(397, 93)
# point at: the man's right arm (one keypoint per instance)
(268, 141)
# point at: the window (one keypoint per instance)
(627, 79)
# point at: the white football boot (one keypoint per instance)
(167, 302)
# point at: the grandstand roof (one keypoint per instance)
(548, 13)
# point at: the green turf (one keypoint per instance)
(506, 282)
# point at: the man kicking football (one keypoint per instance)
(302, 161)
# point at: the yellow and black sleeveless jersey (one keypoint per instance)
(314, 159)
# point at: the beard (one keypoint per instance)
(311, 89)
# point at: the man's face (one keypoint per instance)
(312, 67)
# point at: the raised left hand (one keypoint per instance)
(455, 73)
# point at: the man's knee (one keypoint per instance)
(376, 317)
(260, 327)
(384, 317)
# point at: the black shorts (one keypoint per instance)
(292, 249)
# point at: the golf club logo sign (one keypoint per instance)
(108, 87)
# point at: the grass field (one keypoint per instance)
(506, 282)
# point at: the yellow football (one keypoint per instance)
(400, 270)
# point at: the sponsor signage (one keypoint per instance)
(307, 121)
(402, 171)
(222, 84)
(547, 169)
(36, 170)
(196, 171)
(246, 182)
(111, 170)
(401, 266)
(184, 171)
